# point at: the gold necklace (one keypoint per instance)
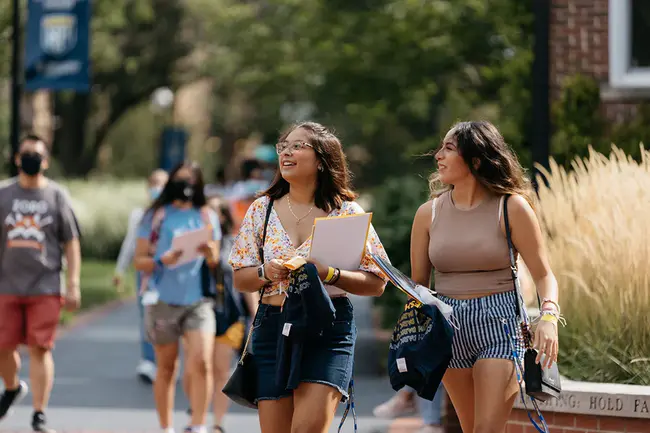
(296, 216)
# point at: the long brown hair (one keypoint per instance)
(333, 183)
(498, 169)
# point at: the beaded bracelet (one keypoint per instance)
(550, 301)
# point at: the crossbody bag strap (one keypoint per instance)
(524, 324)
(519, 298)
(269, 208)
(513, 262)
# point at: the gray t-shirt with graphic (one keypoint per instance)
(35, 224)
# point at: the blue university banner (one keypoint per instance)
(57, 45)
(172, 147)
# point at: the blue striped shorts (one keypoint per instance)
(482, 334)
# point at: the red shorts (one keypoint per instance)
(30, 320)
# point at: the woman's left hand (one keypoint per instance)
(209, 251)
(322, 269)
(546, 343)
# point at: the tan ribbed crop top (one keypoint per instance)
(467, 248)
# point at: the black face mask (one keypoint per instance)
(181, 190)
(30, 163)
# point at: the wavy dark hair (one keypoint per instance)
(334, 182)
(498, 169)
(165, 197)
(228, 223)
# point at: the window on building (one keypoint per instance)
(629, 31)
(640, 34)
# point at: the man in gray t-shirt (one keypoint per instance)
(37, 228)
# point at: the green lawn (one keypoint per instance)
(97, 286)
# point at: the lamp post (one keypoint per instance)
(541, 125)
(162, 102)
(15, 89)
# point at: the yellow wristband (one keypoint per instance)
(549, 318)
(330, 275)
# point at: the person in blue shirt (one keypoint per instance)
(175, 306)
(146, 368)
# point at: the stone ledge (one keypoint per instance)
(605, 399)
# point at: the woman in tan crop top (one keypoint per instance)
(461, 235)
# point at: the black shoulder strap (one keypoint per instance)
(513, 262)
(269, 208)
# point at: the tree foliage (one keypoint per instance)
(135, 49)
(390, 75)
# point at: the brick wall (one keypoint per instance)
(579, 44)
(573, 423)
(578, 40)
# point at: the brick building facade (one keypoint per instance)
(603, 39)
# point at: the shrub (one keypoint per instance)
(597, 236)
(103, 208)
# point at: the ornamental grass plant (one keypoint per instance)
(594, 217)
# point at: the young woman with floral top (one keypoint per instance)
(313, 181)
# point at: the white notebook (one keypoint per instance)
(340, 242)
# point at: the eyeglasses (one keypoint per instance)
(293, 147)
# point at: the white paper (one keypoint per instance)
(189, 243)
(402, 282)
(413, 289)
(340, 242)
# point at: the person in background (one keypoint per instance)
(268, 158)
(227, 344)
(252, 182)
(175, 304)
(406, 402)
(38, 228)
(220, 188)
(146, 369)
(244, 192)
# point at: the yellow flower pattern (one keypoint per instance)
(245, 253)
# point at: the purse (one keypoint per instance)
(242, 384)
(541, 383)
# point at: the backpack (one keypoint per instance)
(217, 285)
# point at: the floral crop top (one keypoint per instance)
(245, 253)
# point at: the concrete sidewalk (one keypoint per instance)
(96, 389)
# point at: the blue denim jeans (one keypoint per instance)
(431, 411)
(146, 348)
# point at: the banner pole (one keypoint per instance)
(15, 89)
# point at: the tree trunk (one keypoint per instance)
(70, 136)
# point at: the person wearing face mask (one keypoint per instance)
(146, 369)
(38, 230)
(174, 296)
